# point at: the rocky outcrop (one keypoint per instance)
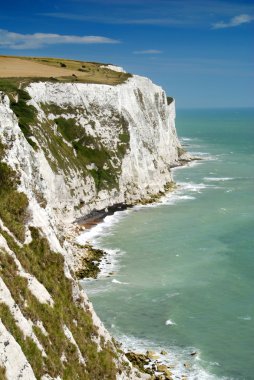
(88, 147)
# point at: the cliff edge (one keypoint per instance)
(67, 149)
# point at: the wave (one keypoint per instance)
(169, 322)
(119, 282)
(245, 318)
(101, 229)
(173, 199)
(194, 187)
(181, 361)
(110, 262)
(203, 156)
(175, 294)
(218, 179)
(186, 139)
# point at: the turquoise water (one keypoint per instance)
(184, 273)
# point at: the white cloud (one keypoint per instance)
(116, 20)
(235, 21)
(37, 40)
(149, 51)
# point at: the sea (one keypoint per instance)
(179, 274)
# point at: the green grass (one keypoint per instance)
(48, 268)
(26, 114)
(124, 137)
(13, 204)
(69, 129)
(28, 346)
(88, 149)
(2, 373)
(90, 263)
(9, 86)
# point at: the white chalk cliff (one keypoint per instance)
(131, 128)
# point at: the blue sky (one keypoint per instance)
(199, 51)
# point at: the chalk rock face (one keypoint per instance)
(135, 116)
(12, 357)
(90, 146)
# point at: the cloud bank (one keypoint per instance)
(235, 21)
(20, 41)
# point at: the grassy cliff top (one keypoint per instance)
(62, 70)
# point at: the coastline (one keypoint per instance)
(159, 365)
(214, 156)
(87, 226)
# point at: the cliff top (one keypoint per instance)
(57, 69)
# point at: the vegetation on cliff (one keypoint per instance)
(63, 358)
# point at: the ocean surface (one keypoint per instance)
(182, 271)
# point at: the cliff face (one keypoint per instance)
(122, 140)
(75, 148)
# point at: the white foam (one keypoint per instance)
(245, 318)
(199, 153)
(180, 193)
(218, 179)
(194, 187)
(100, 229)
(110, 262)
(173, 294)
(175, 198)
(119, 282)
(215, 364)
(175, 358)
(186, 139)
(204, 156)
(169, 322)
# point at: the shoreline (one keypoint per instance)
(156, 365)
(89, 266)
(95, 255)
(97, 216)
